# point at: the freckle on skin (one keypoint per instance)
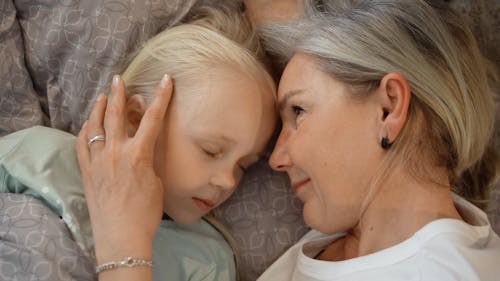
(371, 228)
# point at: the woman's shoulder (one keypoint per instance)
(470, 256)
(195, 250)
(468, 248)
(474, 230)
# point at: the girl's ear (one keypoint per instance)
(135, 109)
(395, 95)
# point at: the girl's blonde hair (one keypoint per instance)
(452, 115)
(212, 40)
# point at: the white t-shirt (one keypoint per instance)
(445, 249)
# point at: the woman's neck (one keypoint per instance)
(396, 211)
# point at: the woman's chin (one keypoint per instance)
(315, 220)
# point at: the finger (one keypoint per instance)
(152, 121)
(82, 149)
(94, 125)
(114, 119)
(83, 155)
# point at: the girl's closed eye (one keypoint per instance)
(213, 153)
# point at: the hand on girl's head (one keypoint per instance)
(123, 193)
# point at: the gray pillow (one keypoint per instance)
(19, 106)
(36, 245)
(73, 48)
(264, 217)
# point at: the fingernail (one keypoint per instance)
(84, 124)
(164, 80)
(116, 80)
(100, 97)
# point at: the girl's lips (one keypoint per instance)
(204, 205)
(296, 186)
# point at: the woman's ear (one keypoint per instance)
(395, 94)
(135, 109)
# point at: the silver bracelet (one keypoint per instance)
(127, 262)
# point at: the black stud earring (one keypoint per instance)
(385, 143)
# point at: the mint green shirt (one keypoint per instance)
(41, 162)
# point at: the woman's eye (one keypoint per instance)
(297, 110)
(243, 169)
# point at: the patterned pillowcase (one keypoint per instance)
(264, 217)
(36, 245)
(72, 49)
(19, 105)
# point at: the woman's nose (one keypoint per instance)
(280, 160)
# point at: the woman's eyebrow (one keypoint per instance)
(283, 101)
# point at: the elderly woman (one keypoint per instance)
(387, 126)
(387, 139)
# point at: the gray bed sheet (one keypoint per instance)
(35, 244)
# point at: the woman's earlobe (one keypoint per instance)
(396, 96)
(135, 107)
(385, 143)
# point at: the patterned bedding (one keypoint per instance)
(36, 245)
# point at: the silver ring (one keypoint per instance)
(96, 138)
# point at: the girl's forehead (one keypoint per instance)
(234, 109)
(221, 89)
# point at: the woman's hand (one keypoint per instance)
(124, 195)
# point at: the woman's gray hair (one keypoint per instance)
(452, 110)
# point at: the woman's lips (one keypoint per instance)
(298, 185)
(204, 205)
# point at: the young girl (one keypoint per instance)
(219, 120)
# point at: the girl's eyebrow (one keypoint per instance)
(283, 101)
(220, 137)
